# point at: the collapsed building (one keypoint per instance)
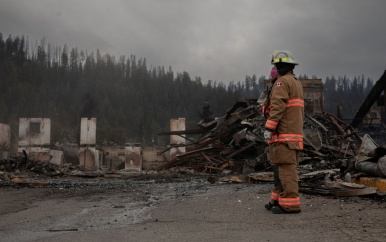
(236, 139)
(234, 143)
(32, 150)
(334, 151)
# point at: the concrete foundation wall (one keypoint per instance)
(5, 141)
(88, 131)
(90, 158)
(34, 132)
(150, 158)
(114, 158)
(56, 157)
(133, 157)
(177, 125)
(35, 137)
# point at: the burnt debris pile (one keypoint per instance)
(234, 143)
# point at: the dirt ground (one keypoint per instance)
(178, 208)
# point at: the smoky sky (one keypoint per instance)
(219, 40)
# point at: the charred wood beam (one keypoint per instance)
(337, 126)
(168, 164)
(338, 150)
(226, 164)
(196, 151)
(171, 147)
(206, 158)
(214, 168)
(208, 141)
(217, 159)
(240, 115)
(240, 103)
(185, 138)
(370, 100)
(241, 149)
(182, 158)
(317, 122)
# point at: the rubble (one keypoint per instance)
(24, 183)
(371, 158)
(13, 167)
(232, 149)
(234, 144)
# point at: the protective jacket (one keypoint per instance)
(285, 106)
(286, 111)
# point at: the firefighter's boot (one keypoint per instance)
(279, 210)
(270, 205)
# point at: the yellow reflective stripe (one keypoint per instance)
(270, 124)
(282, 59)
(274, 196)
(274, 140)
(297, 102)
(287, 138)
(289, 201)
(288, 204)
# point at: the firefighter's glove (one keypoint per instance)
(267, 135)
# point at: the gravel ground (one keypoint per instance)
(178, 208)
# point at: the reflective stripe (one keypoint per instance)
(289, 201)
(295, 103)
(282, 59)
(270, 124)
(286, 138)
(289, 198)
(289, 204)
(274, 196)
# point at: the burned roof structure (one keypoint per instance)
(235, 141)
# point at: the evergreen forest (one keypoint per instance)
(131, 101)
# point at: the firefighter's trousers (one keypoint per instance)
(286, 189)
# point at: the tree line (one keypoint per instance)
(131, 101)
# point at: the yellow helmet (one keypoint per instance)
(283, 56)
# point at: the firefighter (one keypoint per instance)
(284, 133)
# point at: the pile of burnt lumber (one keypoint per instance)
(234, 142)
